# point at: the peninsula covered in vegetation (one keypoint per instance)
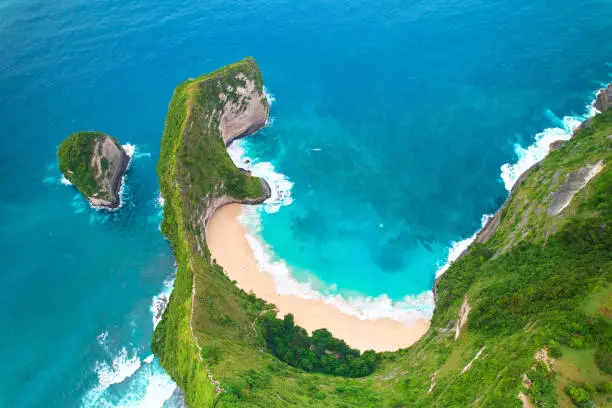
(95, 163)
(523, 318)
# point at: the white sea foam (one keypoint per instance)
(150, 388)
(122, 366)
(129, 149)
(269, 96)
(54, 179)
(458, 247)
(151, 391)
(142, 385)
(280, 185)
(527, 157)
(537, 151)
(364, 307)
(64, 181)
(160, 301)
(160, 200)
(157, 216)
(367, 307)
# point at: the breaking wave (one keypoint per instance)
(527, 157)
(160, 301)
(127, 381)
(280, 185)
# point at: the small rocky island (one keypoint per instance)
(95, 163)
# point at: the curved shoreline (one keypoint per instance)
(227, 241)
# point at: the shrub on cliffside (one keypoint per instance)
(320, 352)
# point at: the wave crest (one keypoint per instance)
(537, 151)
(128, 381)
(280, 185)
(160, 301)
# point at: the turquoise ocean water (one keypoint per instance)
(390, 125)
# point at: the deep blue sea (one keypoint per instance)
(390, 124)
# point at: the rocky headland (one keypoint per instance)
(536, 281)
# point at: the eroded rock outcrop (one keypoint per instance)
(245, 110)
(574, 182)
(604, 99)
(95, 163)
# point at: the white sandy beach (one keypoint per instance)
(226, 238)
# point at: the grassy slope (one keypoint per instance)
(75, 155)
(538, 282)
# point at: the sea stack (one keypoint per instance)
(95, 163)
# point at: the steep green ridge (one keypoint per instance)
(193, 168)
(540, 285)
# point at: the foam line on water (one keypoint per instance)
(280, 185)
(367, 307)
(160, 301)
(64, 181)
(122, 366)
(269, 96)
(142, 385)
(127, 381)
(458, 247)
(539, 149)
(364, 307)
(527, 157)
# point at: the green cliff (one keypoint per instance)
(522, 319)
(95, 163)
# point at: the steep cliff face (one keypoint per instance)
(109, 162)
(95, 163)
(604, 99)
(245, 109)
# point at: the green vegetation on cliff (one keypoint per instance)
(539, 291)
(94, 162)
(75, 154)
(194, 167)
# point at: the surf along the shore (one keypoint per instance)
(364, 322)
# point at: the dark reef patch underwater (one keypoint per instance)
(391, 123)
